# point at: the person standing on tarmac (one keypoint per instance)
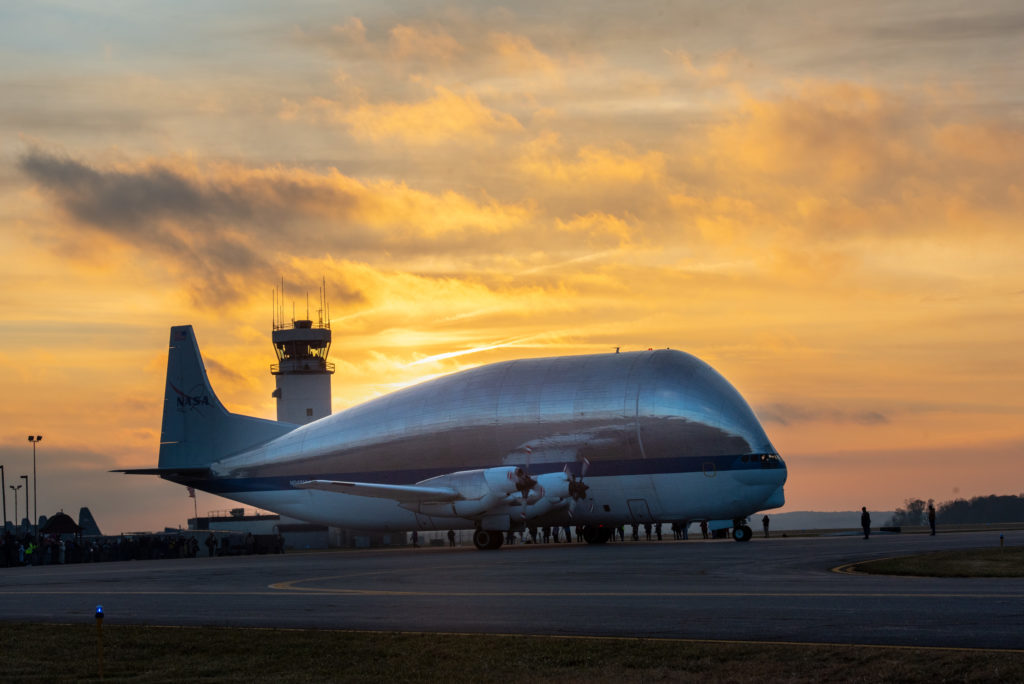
(865, 521)
(451, 537)
(764, 521)
(931, 517)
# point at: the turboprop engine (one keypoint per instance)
(480, 492)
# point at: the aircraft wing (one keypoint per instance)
(403, 493)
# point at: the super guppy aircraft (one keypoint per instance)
(595, 441)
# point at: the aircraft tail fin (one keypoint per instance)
(196, 429)
(87, 522)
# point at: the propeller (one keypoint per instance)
(524, 481)
(577, 490)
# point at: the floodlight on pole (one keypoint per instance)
(25, 478)
(15, 489)
(3, 492)
(35, 482)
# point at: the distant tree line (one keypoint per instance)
(980, 509)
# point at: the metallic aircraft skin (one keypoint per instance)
(664, 438)
(659, 428)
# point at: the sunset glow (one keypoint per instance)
(823, 201)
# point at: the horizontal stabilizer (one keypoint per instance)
(193, 473)
(404, 493)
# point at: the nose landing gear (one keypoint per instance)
(741, 532)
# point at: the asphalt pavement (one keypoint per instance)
(767, 590)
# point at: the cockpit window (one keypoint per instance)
(766, 460)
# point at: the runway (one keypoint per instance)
(774, 590)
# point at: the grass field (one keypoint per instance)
(171, 654)
(997, 562)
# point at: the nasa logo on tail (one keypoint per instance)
(190, 401)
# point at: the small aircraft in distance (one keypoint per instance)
(595, 441)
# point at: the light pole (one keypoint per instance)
(3, 491)
(25, 478)
(15, 488)
(35, 482)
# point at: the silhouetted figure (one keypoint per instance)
(647, 531)
(415, 539)
(211, 544)
(704, 528)
(451, 537)
(764, 521)
(865, 521)
(931, 518)
(568, 534)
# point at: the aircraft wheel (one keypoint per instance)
(595, 535)
(482, 539)
(742, 533)
(488, 540)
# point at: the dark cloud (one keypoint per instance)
(784, 414)
(222, 225)
(217, 231)
(129, 202)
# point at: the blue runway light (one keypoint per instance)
(99, 612)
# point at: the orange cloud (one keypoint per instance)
(519, 55)
(591, 166)
(598, 227)
(446, 117)
(416, 42)
(717, 70)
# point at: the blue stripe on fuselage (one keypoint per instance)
(656, 466)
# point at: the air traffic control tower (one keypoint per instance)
(303, 373)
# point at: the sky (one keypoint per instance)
(822, 200)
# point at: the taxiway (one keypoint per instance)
(774, 590)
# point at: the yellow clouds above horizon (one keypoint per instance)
(826, 208)
(444, 117)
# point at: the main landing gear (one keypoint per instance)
(596, 534)
(742, 533)
(488, 540)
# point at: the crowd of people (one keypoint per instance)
(53, 549)
(567, 533)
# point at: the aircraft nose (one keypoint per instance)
(777, 499)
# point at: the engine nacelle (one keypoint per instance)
(549, 486)
(544, 506)
(481, 491)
